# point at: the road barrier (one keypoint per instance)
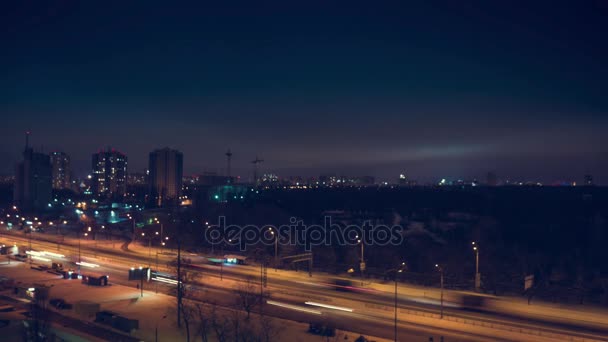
(546, 333)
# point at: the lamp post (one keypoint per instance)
(276, 248)
(362, 264)
(156, 233)
(57, 237)
(94, 241)
(161, 229)
(141, 281)
(398, 270)
(79, 255)
(30, 243)
(149, 248)
(440, 269)
(156, 283)
(477, 275)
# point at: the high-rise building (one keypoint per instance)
(32, 188)
(61, 171)
(165, 178)
(109, 177)
(588, 180)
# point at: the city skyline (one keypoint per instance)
(434, 90)
(246, 175)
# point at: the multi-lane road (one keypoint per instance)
(367, 311)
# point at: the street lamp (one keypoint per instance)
(477, 275)
(212, 243)
(79, 254)
(276, 247)
(149, 248)
(362, 264)
(161, 228)
(440, 269)
(30, 243)
(398, 270)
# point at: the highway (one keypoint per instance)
(371, 310)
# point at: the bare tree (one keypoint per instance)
(221, 326)
(268, 330)
(203, 320)
(248, 296)
(188, 315)
(37, 328)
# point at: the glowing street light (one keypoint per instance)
(477, 275)
(276, 247)
(398, 270)
(440, 269)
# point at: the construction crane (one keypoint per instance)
(255, 169)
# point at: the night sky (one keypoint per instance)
(431, 89)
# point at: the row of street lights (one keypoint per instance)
(439, 268)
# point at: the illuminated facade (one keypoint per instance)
(60, 163)
(165, 175)
(109, 178)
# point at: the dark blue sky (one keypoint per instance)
(432, 89)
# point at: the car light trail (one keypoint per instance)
(293, 307)
(329, 306)
(86, 264)
(54, 255)
(33, 253)
(36, 257)
(165, 280)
